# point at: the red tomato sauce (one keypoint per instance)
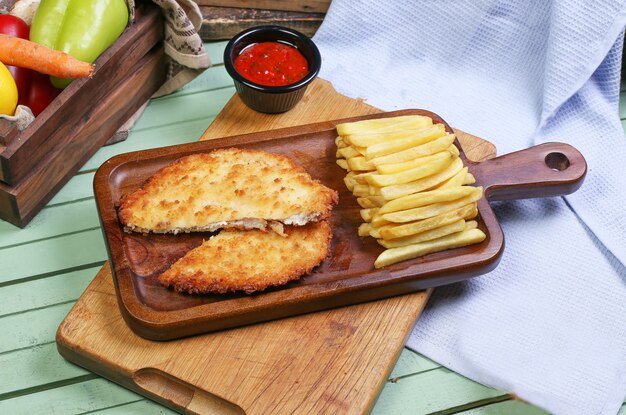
(271, 64)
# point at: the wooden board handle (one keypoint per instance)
(187, 398)
(549, 169)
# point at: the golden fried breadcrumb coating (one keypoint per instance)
(226, 188)
(250, 260)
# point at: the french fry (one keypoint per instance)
(343, 164)
(365, 140)
(423, 150)
(364, 229)
(370, 201)
(426, 198)
(361, 190)
(473, 213)
(454, 150)
(375, 232)
(456, 240)
(457, 226)
(454, 181)
(407, 165)
(408, 178)
(368, 214)
(413, 228)
(432, 210)
(399, 190)
(348, 152)
(378, 222)
(471, 224)
(360, 178)
(469, 179)
(436, 165)
(349, 180)
(381, 125)
(416, 139)
(360, 164)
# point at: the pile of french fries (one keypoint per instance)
(415, 193)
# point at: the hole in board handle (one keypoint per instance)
(183, 395)
(557, 161)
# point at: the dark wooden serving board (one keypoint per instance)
(346, 276)
(334, 361)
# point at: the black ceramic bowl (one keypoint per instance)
(271, 99)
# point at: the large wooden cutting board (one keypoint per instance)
(334, 361)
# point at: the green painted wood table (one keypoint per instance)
(46, 266)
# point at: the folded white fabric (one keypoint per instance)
(549, 322)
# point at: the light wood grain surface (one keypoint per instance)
(45, 267)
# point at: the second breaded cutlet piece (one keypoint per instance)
(227, 188)
(249, 260)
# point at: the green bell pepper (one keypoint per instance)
(81, 28)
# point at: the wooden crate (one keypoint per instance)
(222, 23)
(36, 162)
(318, 6)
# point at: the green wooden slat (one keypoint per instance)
(78, 187)
(215, 50)
(46, 291)
(71, 399)
(51, 222)
(622, 106)
(410, 363)
(511, 407)
(33, 369)
(136, 408)
(66, 253)
(183, 130)
(211, 79)
(188, 132)
(431, 391)
(164, 111)
(29, 329)
(622, 410)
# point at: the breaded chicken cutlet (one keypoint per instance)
(227, 188)
(250, 260)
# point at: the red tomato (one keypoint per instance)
(14, 26)
(33, 89)
(40, 94)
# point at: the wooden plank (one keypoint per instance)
(34, 369)
(168, 135)
(31, 328)
(216, 51)
(142, 407)
(51, 222)
(512, 407)
(194, 106)
(211, 80)
(410, 363)
(320, 6)
(220, 23)
(63, 254)
(432, 391)
(45, 292)
(71, 399)
(77, 188)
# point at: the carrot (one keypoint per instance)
(26, 54)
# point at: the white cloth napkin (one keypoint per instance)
(549, 323)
